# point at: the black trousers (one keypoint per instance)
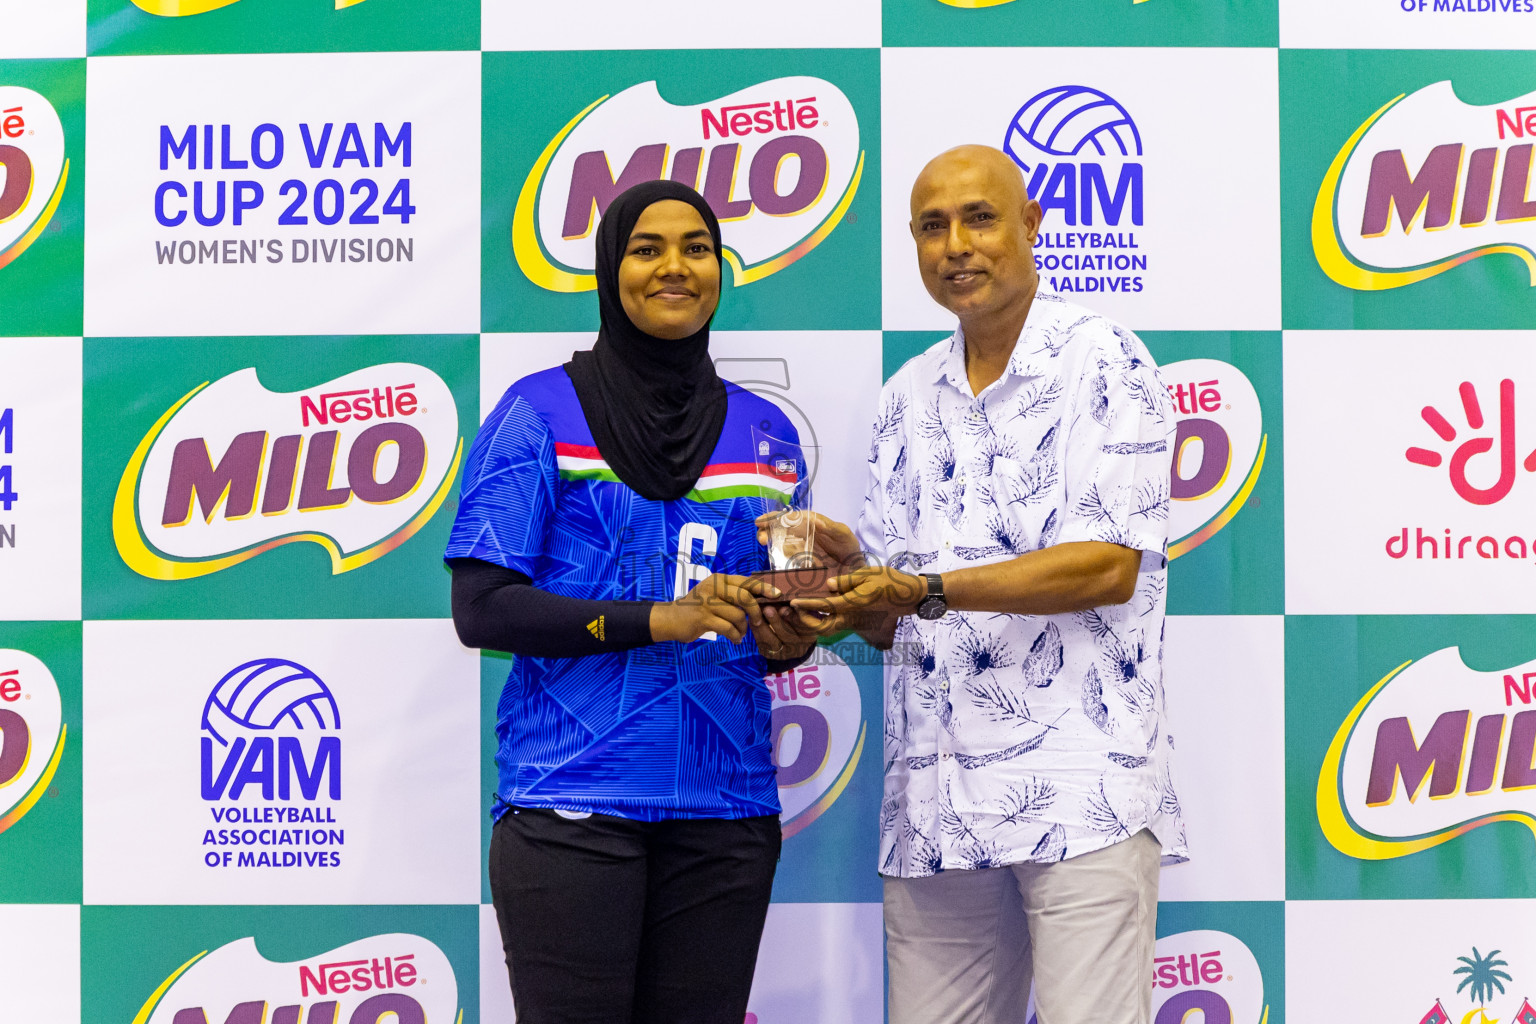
(611, 921)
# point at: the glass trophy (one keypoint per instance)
(779, 467)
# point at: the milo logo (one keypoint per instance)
(778, 162)
(33, 168)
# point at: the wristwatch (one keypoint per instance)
(933, 606)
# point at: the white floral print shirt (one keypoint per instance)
(1025, 738)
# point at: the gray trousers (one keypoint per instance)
(963, 946)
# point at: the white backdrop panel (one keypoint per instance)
(1409, 24)
(1355, 405)
(405, 707)
(133, 288)
(40, 963)
(1225, 682)
(42, 28)
(1390, 960)
(1198, 123)
(40, 534)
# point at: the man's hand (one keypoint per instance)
(833, 544)
(868, 601)
(719, 603)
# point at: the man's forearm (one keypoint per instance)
(1062, 578)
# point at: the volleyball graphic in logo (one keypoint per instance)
(267, 694)
(1069, 121)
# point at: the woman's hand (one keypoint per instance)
(719, 603)
(781, 635)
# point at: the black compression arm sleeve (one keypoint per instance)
(500, 610)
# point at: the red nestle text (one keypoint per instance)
(358, 975)
(765, 117)
(361, 404)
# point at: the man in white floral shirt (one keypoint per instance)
(1017, 520)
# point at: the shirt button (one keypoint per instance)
(945, 756)
(949, 543)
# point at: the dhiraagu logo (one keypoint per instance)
(185, 8)
(399, 978)
(32, 733)
(33, 168)
(1427, 183)
(1434, 750)
(356, 465)
(1218, 451)
(779, 163)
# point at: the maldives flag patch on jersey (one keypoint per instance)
(720, 480)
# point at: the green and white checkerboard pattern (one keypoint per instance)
(322, 236)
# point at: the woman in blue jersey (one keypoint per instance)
(605, 535)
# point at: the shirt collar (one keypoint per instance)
(1038, 344)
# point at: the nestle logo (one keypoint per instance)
(1196, 397)
(1186, 970)
(359, 404)
(358, 975)
(1522, 123)
(746, 118)
(11, 123)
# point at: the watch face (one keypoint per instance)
(932, 608)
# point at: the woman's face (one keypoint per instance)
(669, 279)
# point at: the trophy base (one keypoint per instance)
(793, 583)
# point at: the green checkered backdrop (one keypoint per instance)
(264, 263)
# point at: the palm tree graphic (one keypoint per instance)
(1483, 975)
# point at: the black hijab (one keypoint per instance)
(655, 407)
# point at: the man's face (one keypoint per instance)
(975, 231)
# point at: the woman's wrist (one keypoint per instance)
(668, 622)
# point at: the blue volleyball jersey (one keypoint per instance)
(669, 730)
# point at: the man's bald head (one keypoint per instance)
(990, 169)
(974, 225)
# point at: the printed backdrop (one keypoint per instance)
(265, 263)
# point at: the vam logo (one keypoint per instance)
(271, 756)
(33, 168)
(818, 734)
(1435, 728)
(1080, 152)
(183, 8)
(1218, 450)
(395, 978)
(778, 162)
(1428, 183)
(357, 465)
(31, 733)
